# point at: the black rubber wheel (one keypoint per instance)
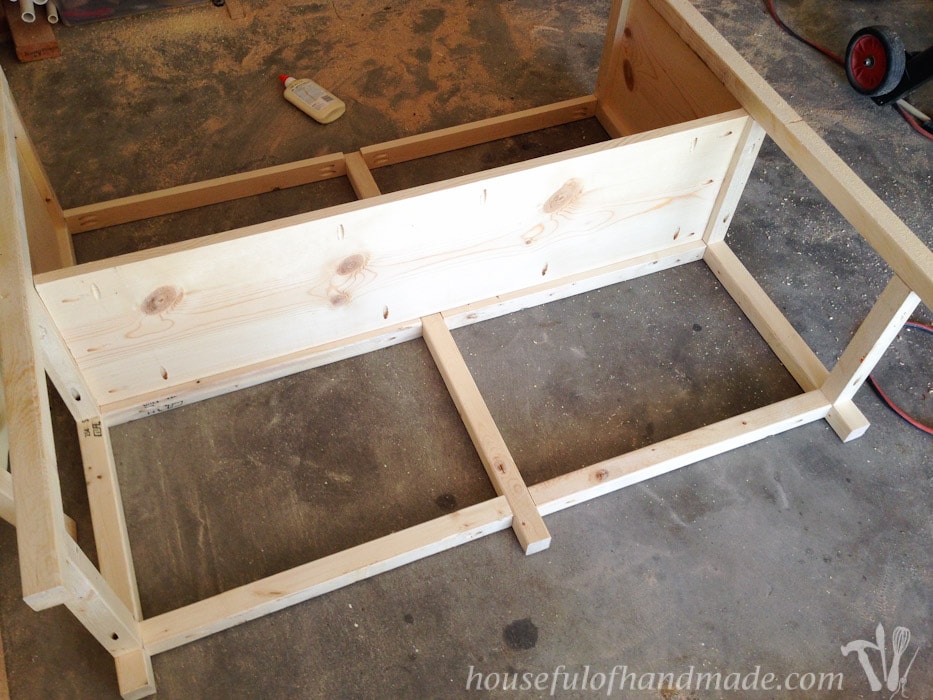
(875, 61)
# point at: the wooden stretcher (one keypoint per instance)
(131, 336)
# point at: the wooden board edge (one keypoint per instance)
(688, 448)
(501, 468)
(134, 674)
(877, 331)
(206, 192)
(224, 610)
(783, 339)
(115, 559)
(408, 194)
(141, 406)
(41, 532)
(475, 133)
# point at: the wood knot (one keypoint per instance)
(565, 197)
(601, 475)
(351, 264)
(339, 298)
(629, 74)
(161, 300)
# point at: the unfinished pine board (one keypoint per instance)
(182, 314)
(364, 185)
(7, 509)
(225, 610)
(94, 603)
(144, 405)
(446, 140)
(654, 79)
(134, 674)
(647, 462)
(503, 472)
(41, 524)
(736, 178)
(885, 320)
(224, 189)
(49, 239)
(61, 368)
(204, 193)
(113, 546)
(150, 331)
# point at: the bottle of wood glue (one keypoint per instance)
(312, 99)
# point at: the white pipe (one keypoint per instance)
(27, 11)
(913, 110)
(51, 11)
(39, 2)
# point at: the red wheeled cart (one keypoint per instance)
(878, 66)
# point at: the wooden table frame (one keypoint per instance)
(130, 336)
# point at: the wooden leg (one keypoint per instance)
(803, 364)
(110, 534)
(134, 674)
(94, 603)
(41, 533)
(878, 330)
(134, 667)
(746, 153)
(7, 511)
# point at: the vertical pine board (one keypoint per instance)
(41, 524)
(49, 239)
(651, 78)
(153, 323)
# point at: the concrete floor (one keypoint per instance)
(771, 556)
